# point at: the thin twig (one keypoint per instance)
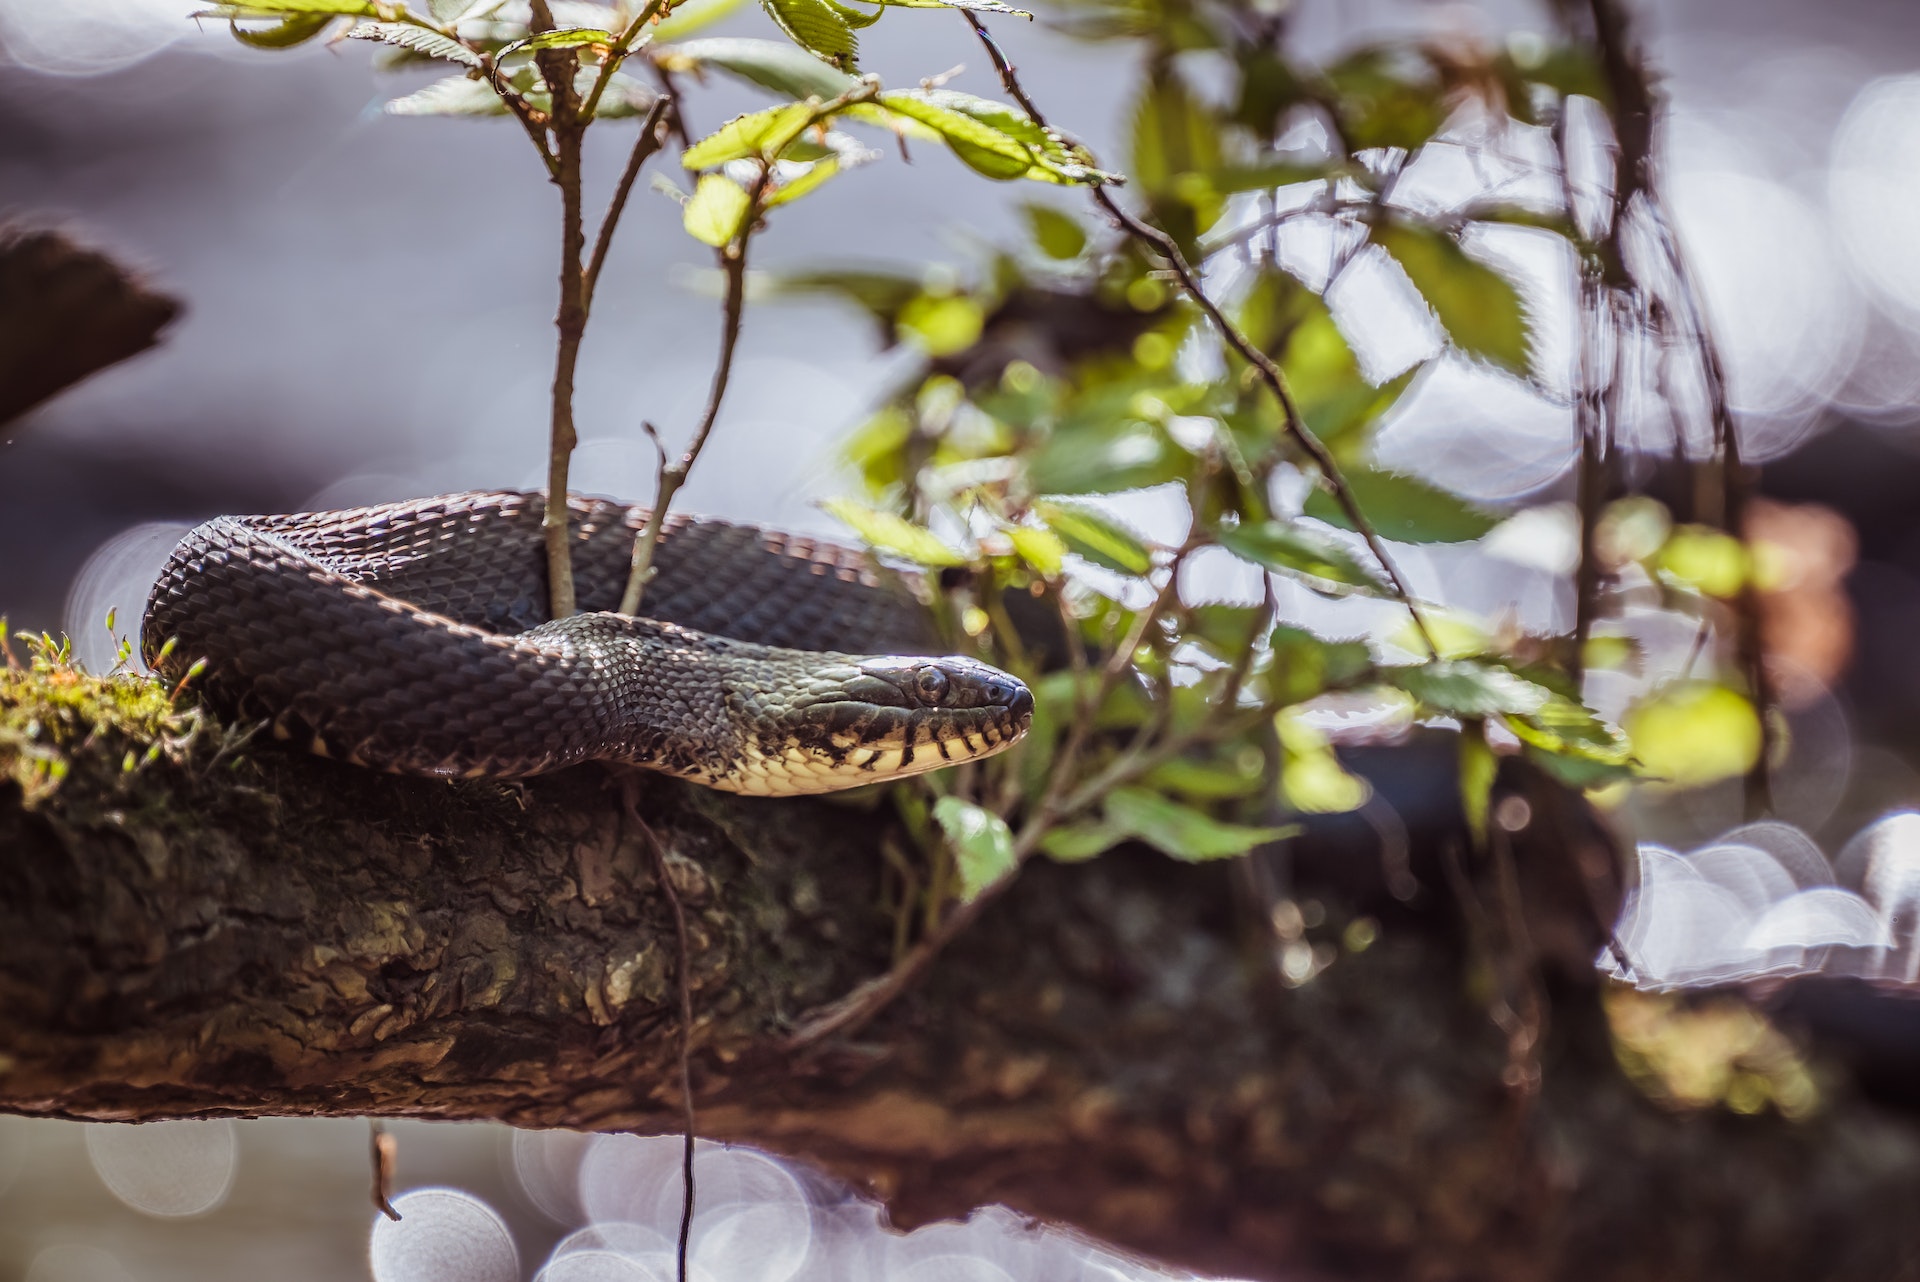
(669, 477)
(622, 46)
(684, 965)
(649, 142)
(1270, 373)
(382, 1149)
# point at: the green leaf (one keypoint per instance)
(1563, 727)
(1705, 560)
(718, 207)
(1304, 665)
(817, 27)
(1181, 831)
(1478, 767)
(1470, 689)
(1104, 456)
(453, 96)
(794, 188)
(563, 38)
(1095, 536)
(283, 8)
(1228, 180)
(1172, 135)
(890, 533)
(980, 147)
(977, 6)
(1058, 235)
(295, 29)
(944, 324)
(428, 44)
(982, 845)
(1039, 547)
(1302, 552)
(1694, 733)
(1477, 306)
(760, 133)
(449, 11)
(1403, 508)
(1311, 776)
(1207, 780)
(1385, 98)
(1078, 842)
(884, 294)
(767, 63)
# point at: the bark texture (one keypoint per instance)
(254, 932)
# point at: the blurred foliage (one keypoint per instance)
(1693, 1054)
(1070, 376)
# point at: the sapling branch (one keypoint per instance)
(1269, 373)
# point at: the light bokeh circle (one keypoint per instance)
(165, 1169)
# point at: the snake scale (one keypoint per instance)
(412, 637)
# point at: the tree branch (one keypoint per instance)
(557, 67)
(268, 933)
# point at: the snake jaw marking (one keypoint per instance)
(403, 638)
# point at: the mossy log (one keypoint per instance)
(216, 928)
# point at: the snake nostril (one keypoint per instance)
(1021, 702)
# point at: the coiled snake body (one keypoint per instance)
(413, 637)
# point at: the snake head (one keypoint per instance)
(867, 720)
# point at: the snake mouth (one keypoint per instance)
(882, 719)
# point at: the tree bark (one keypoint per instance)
(251, 932)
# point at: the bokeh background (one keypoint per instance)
(368, 317)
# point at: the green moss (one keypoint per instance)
(54, 715)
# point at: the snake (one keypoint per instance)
(414, 638)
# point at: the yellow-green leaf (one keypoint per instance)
(816, 26)
(1095, 536)
(1695, 732)
(982, 845)
(890, 533)
(1707, 560)
(1181, 831)
(758, 133)
(794, 188)
(718, 207)
(1039, 547)
(1300, 551)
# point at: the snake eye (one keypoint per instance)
(931, 685)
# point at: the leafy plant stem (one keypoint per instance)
(671, 476)
(1270, 374)
(622, 46)
(568, 126)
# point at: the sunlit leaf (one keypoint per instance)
(1301, 552)
(982, 846)
(718, 208)
(1403, 508)
(296, 29)
(1694, 732)
(1311, 776)
(428, 44)
(1478, 307)
(1564, 728)
(943, 324)
(767, 63)
(1225, 631)
(565, 38)
(981, 147)
(1478, 769)
(1181, 831)
(816, 26)
(1058, 235)
(1095, 535)
(282, 8)
(796, 187)
(1704, 559)
(1467, 688)
(1039, 547)
(890, 533)
(978, 6)
(759, 133)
